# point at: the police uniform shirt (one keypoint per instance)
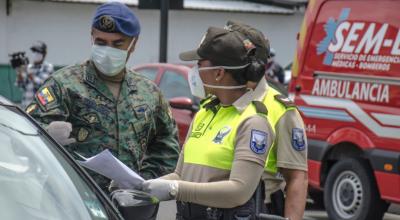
(289, 155)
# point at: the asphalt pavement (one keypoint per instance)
(168, 209)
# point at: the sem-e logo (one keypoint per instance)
(359, 45)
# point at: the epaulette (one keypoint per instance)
(260, 107)
(285, 101)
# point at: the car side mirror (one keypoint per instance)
(182, 103)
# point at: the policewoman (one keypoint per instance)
(224, 155)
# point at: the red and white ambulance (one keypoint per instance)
(346, 83)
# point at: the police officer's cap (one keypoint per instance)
(39, 47)
(115, 17)
(223, 47)
(256, 36)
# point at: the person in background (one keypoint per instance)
(100, 104)
(31, 77)
(273, 69)
(286, 171)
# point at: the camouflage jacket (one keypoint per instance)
(137, 128)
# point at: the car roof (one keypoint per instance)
(5, 101)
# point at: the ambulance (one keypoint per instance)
(346, 84)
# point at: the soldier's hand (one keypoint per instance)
(164, 190)
(60, 131)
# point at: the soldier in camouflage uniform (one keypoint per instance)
(88, 110)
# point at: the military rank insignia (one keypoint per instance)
(298, 140)
(31, 108)
(82, 134)
(258, 141)
(221, 134)
(44, 96)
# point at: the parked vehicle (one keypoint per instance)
(173, 82)
(39, 179)
(345, 81)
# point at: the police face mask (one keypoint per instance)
(197, 86)
(108, 60)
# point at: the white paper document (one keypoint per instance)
(107, 165)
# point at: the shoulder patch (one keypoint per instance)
(258, 141)
(298, 139)
(45, 96)
(284, 100)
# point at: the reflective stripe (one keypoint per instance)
(338, 115)
(357, 113)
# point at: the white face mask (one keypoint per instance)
(197, 86)
(37, 57)
(108, 60)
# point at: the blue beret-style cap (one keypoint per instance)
(115, 17)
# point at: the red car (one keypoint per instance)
(173, 82)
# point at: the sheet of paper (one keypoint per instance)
(107, 165)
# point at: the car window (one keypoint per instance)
(173, 85)
(37, 181)
(149, 73)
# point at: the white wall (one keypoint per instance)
(65, 27)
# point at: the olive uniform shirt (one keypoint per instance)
(137, 127)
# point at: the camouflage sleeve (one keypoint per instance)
(163, 152)
(49, 103)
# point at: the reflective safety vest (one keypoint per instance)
(212, 139)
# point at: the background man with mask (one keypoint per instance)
(31, 77)
(100, 104)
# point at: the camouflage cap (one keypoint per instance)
(222, 47)
(256, 36)
(115, 17)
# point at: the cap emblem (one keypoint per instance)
(107, 23)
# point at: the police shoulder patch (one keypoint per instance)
(258, 141)
(298, 139)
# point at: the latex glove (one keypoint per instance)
(164, 190)
(60, 131)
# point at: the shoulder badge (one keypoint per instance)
(258, 141)
(298, 140)
(45, 96)
(284, 100)
(221, 134)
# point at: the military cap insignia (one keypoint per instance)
(31, 108)
(298, 140)
(221, 134)
(82, 134)
(107, 23)
(258, 141)
(45, 96)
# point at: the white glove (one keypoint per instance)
(60, 131)
(164, 190)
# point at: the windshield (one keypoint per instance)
(36, 180)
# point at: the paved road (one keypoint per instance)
(167, 212)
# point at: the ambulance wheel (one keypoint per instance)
(350, 192)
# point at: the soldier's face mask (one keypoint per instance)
(108, 60)
(197, 86)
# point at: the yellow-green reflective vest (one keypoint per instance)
(212, 138)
